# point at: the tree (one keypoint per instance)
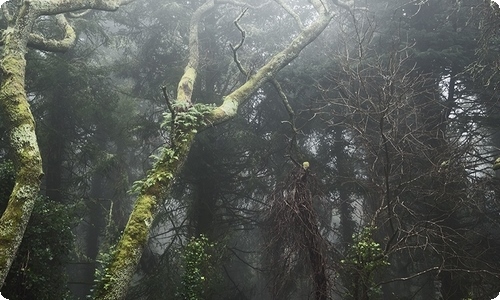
(420, 150)
(19, 34)
(186, 119)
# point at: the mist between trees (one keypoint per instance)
(231, 149)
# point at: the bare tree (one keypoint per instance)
(420, 163)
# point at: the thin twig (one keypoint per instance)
(235, 49)
(291, 114)
(172, 111)
(169, 104)
(290, 11)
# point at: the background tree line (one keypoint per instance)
(393, 107)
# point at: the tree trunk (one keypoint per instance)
(18, 119)
(118, 274)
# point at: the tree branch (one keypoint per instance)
(55, 7)
(231, 102)
(80, 14)
(239, 3)
(6, 13)
(292, 13)
(41, 43)
(235, 49)
(185, 86)
(291, 116)
(345, 5)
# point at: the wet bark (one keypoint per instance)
(22, 139)
(16, 114)
(118, 274)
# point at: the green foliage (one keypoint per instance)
(185, 123)
(188, 119)
(104, 259)
(158, 173)
(365, 253)
(196, 259)
(38, 271)
(363, 258)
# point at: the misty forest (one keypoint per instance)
(250, 149)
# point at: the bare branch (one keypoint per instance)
(185, 86)
(320, 6)
(235, 49)
(54, 7)
(171, 109)
(345, 5)
(288, 107)
(79, 14)
(291, 115)
(292, 13)
(6, 13)
(348, 5)
(239, 3)
(169, 103)
(229, 107)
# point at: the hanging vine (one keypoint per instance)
(293, 237)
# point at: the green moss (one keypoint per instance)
(18, 119)
(151, 191)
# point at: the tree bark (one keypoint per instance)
(16, 113)
(117, 276)
(22, 139)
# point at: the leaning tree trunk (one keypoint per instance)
(15, 111)
(118, 274)
(20, 124)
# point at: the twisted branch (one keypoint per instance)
(39, 42)
(235, 49)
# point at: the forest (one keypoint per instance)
(250, 149)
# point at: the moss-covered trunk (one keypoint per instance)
(119, 272)
(14, 107)
(17, 118)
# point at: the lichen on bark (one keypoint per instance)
(157, 183)
(20, 126)
(117, 276)
(16, 114)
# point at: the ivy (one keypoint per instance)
(37, 272)
(196, 260)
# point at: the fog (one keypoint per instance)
(286, 149)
